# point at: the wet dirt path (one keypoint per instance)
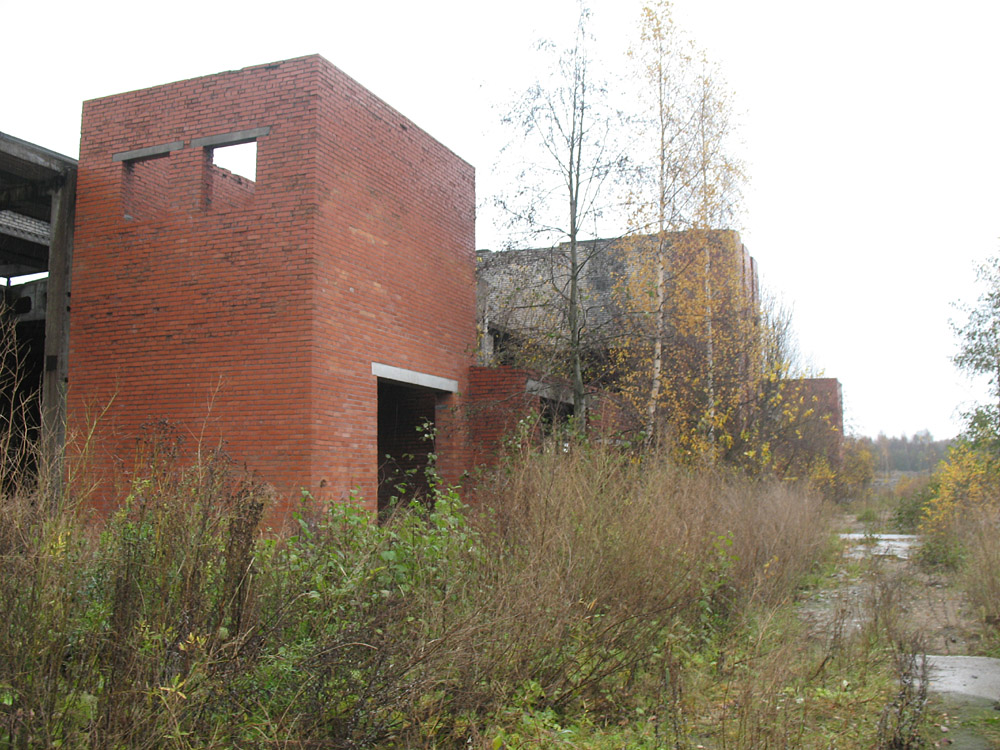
(877, 570)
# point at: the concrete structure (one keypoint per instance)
(311, 318)
(37, 200)
(522, 292)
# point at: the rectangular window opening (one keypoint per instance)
(239, 159)
(146, 187)
(27, 278)
(230, 176)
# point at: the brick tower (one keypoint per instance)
(309, 318)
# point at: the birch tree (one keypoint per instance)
(682, 280)
(664, 61)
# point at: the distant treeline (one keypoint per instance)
(918, 453)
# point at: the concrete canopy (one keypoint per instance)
(29, 177)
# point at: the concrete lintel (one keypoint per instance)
(412, 377)
(149, 152)
(231, 139)
(549, 391)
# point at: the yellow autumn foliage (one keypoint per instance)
(727, 389)
(710, 348)
(968, 481)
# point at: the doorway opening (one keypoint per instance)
(405, 443)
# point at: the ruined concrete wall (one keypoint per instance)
(524, 292)
(253, 314)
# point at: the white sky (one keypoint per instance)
(870, 132)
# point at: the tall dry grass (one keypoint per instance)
(582, 584)
(607, 565)
(636, 531)
(980, 534)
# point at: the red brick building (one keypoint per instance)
(310, 318)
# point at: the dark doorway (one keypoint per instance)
(405, 442)
(21, 367)
(553, 414)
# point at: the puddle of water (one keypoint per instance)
(899, 546)
(964, 714)
(975, 676)
(967, 686)
(970, 689)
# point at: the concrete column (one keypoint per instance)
(55, 376)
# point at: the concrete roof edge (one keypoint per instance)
(35, 154)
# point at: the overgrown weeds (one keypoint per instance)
(981, 575)
(902, 724)
(960, 514)
(589, 594)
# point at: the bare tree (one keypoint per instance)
(567, 122)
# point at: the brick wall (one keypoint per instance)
(825, 397)
(498, 398)
(226, 191)
(253, 315)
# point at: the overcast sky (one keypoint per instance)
(870, 130)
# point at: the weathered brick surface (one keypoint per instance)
(824, 396)
(497, 401)
(253, 313)
(500, 397)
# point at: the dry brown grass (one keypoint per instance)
(610, 560)
(980, 533)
